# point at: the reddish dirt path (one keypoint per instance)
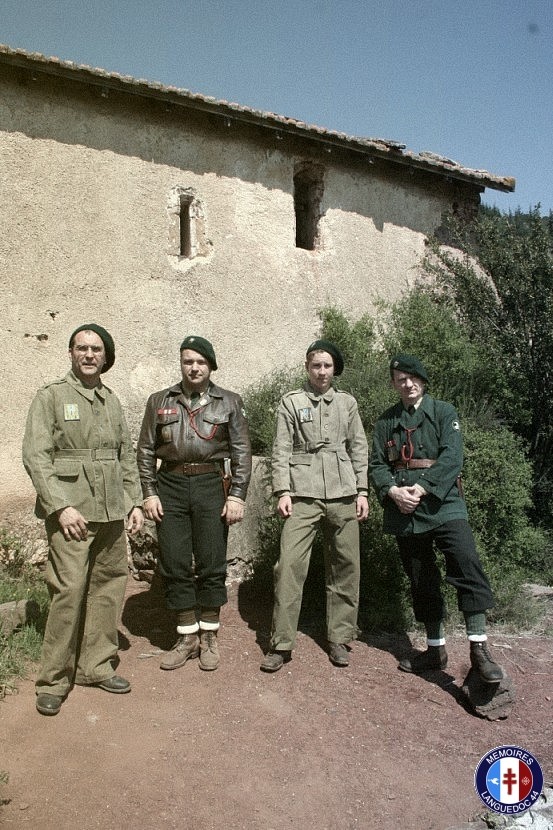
(311, 746)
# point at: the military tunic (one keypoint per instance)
(435, 434)
(320, 458)
(431, 432)
(192, 535)
(78, 452)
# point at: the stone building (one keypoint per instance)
(158, 213)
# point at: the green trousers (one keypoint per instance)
(86, 581)
(340, 528)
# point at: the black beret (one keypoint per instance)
(202, 346)
(105, 337)
(327, 346)
(410, 364)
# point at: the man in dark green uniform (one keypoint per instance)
(79, 455)
(415, 468)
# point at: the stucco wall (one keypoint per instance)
(88, 182)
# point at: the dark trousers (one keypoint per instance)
(192, 540)
(462, 565)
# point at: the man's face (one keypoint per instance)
(88, 356)
(195, 370)
(409, 387)
(320, 370)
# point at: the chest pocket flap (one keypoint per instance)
(216, 416)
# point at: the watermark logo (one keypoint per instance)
(508, 780)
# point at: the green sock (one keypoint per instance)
(476, 624)
(210, 615)
(435, 631)
(187, 617)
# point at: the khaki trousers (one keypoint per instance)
(86, 581)
(340, 528)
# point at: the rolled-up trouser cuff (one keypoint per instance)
(209, 626)
(187, 629)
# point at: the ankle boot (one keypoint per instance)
(435, 657)
(481, 661)
(186, 648)
(209, 650)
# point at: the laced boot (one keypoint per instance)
(209, 650)
(435, 657)
(482, 662)
(274, 660)
(186, 647)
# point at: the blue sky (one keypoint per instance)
(469, 79)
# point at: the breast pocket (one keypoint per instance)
(165, 421)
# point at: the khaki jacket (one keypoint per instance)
(320, 449)
(215, 430)
(78, 452)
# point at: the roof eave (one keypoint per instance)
(390, 151)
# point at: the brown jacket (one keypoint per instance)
(216, 429)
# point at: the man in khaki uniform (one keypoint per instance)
(319, 466)
(78, 453)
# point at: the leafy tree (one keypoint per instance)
(501, 290)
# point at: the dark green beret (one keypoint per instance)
(202, 346)
(106, 339)
(327, 346)
(410, 364)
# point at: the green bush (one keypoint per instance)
(18, 581)
(498, 477)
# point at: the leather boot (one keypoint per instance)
(209, 650)
(274, 660)
(186, 647)
(435, 657)
(481, 661)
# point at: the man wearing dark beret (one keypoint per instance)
(319, 466)
(415, 468)
(79, 455)
(199, 433)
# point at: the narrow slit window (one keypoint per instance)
(187, 225)
(308, 194)
(185, 228)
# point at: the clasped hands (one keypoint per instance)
(407, 499)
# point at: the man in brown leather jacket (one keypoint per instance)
(200, 434)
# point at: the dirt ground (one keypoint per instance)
(312, 746)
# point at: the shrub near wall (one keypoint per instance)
(497, 474)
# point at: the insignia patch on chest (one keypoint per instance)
(456, 425)
(167, 411)
(306, 415)
(71, 412)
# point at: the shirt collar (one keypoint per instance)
(86, 391)
(316, 396)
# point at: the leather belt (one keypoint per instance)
(191, 469)
(414, 464)
(99, 454)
